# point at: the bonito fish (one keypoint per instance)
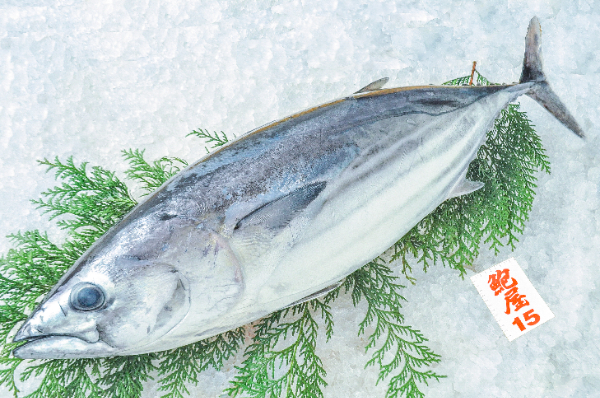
(276, 217)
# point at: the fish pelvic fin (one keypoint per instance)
(313, 296)
(541, 91)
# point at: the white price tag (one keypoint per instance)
(511, 298)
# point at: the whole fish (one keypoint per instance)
(276, 217)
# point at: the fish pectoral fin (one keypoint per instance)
(278, 213)
(464, 187)
(262, 230)
(320, 293)
(376, 85)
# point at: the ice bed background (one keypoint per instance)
(88, 79)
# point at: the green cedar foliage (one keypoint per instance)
(182, 365)
(292, 371)
(214, 139)
(379, 288)
(151, 176)
(282, 357)
(464, 80)
(93, 200)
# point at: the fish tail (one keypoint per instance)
(540, 90)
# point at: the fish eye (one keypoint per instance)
(87, 297)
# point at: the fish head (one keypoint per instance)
(106, 306)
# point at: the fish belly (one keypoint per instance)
(381, 197)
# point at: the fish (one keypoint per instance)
(277, 217)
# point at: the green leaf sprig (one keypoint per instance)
(214, 139)
(151, 176)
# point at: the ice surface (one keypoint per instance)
(87, 79)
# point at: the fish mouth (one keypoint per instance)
(57, 346)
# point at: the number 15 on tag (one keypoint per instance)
(512, 299)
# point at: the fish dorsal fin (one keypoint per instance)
(464, 187)
(320, 293)
(278, 213)
(376, 85)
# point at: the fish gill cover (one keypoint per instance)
(280, 351)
